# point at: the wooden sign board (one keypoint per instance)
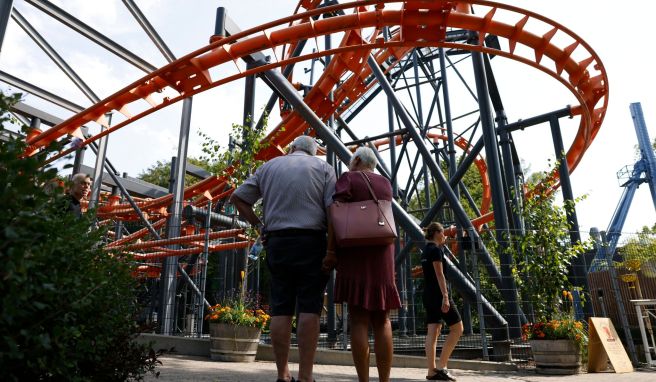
(604, 345)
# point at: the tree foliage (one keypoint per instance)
(639, 252)
(239, 156)
(472, 182)
(66, 307)
(544, 253)
(160, 173)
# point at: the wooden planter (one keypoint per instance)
(559, 357)
(233, 343)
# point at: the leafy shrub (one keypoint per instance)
(66, 306)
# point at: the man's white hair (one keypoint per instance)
(79, 178)
(367, 157)
(304, 143)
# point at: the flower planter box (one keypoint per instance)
(560, 357)
(233, 343)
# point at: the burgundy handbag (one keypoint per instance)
(364, 223)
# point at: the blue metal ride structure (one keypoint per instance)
(644, 171)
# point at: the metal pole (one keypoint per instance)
(479, 306)
(248, 115)
(509, 290)
(150, 30)
(79, 155)
(170, 264)
(460, 214)
(98, 169)
(91, 34)
(612, 272)
(54, 56)
(220, 22)
(579, 268)
(331, 312)
(420, 121)
(5, 12)
(453, 167)
(203, 263)
(645, 145)
(119, 223)
(286, 90)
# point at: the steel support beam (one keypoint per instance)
(459, 280)
(149, 29)
(538, 119)
(132, 185)
(645, 145)
(459, 212)
(5, 11)
(453, 167)
(91, 34)
(54, 56)
(579, 267)
(38, 92)
(101, 153)
(170, 264)
(508, 288)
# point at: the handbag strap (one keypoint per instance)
(381, 215)
(368, 182)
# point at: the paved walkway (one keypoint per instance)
(189, 368)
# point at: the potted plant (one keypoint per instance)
(557, 344)
(235, 331)
(544, 255)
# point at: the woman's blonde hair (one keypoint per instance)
(433, 228)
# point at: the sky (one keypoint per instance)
(614, 32)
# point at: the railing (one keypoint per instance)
(646, 311)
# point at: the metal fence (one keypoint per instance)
(223, 270)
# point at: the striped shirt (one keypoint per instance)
(296, 190)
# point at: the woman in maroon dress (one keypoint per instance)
(365, 275)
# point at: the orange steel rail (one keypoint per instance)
(418, 24)
(182, 239)
(190, 251)
(479, 162)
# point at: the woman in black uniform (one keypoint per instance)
(439, 306)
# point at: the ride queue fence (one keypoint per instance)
(633, 266)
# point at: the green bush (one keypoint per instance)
(67, 307)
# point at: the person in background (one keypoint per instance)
(80, 188)
(439, 306)
(296, 191)
(365, 275)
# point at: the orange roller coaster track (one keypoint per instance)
(415, 24)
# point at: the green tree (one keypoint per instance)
(66, 306)
(236, 162)
(544, 253)
(160, 173)
(639, 252)
(472, 182)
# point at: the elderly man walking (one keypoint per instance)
(296, 190)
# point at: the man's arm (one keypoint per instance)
(245, 210)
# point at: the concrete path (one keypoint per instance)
(190, 368)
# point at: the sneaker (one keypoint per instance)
(441, 375)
